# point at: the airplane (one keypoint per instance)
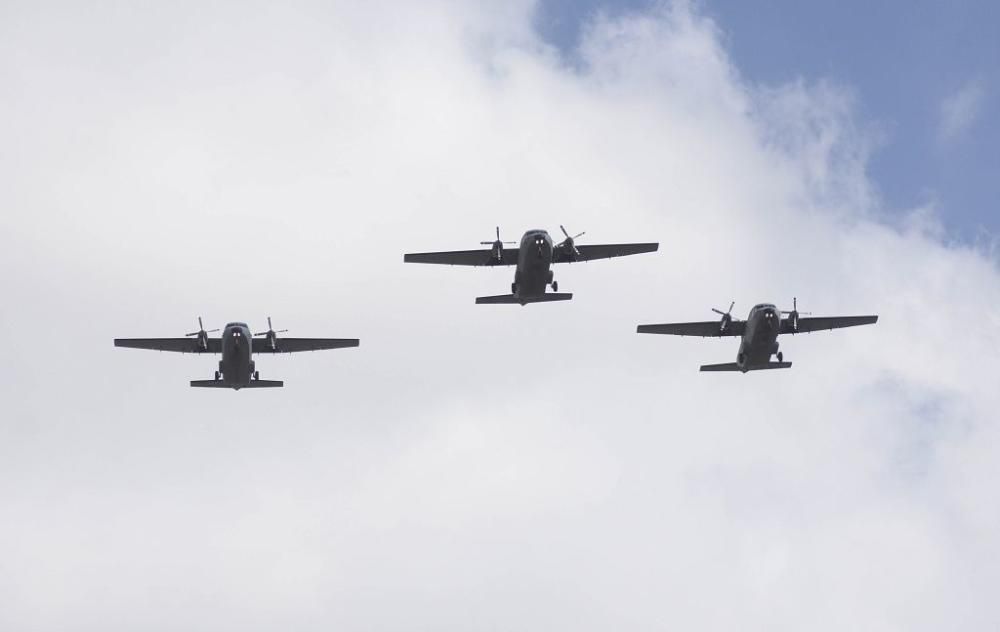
(758, 333)
(533, 260)
(237, 368)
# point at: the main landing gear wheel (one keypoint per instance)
(256, 375)
(217, 376)
(781, 357)
(555, 286)
(513, 288)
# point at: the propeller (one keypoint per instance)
(793, 315)
(727, 317)
(202, 334)
(497, 245)
(272, 335)
(498, 240)
(570, 241)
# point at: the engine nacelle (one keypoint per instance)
(725, 322)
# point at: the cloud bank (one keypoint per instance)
(470, 467)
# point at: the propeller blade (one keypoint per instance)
(565, 232)
(201, 329)
(723, 313)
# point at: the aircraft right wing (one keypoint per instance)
(826, 322)
(179, 345)
(590, 252)
(707, 329)
(508, 257)
(294, 345)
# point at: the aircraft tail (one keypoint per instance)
(251, 384)
(732, 366)
(517, 300)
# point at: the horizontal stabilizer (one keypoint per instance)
(732, 366)
(519, 300)
(250, 384)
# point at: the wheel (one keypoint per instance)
(256, 375)
(781, 357)
(513, 288)
(555, 286)
(217, 376)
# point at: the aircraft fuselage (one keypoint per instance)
(534, 261)
(236, 368)
(760, 338)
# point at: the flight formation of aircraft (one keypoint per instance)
(533, 259)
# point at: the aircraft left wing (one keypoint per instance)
(179, 345)
(707, 329)
(508, 257)
(564, 254)
(826, 322)
(293, 345)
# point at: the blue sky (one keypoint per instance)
(924, 74)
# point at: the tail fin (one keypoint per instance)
(519, 300)
(250, 384)
(732, 366)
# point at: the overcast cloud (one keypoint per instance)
(469, 467)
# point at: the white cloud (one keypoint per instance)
(469, 468)
(960, 111)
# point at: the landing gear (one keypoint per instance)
(781, 357)
(555, 286)
(513, 287)
(256, 375)
(217, 376)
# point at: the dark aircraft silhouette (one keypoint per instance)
(533, 260)
(236, 368)
(759, 333)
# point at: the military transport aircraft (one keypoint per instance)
(236, 369)
(759, 333)
(533, 259)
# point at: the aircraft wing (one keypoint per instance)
(508, 257)
(826, 322)
(293, 345)
(562, 254)
(707, 329)
(179, 345)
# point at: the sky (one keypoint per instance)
(923, 77)
(486, 467)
